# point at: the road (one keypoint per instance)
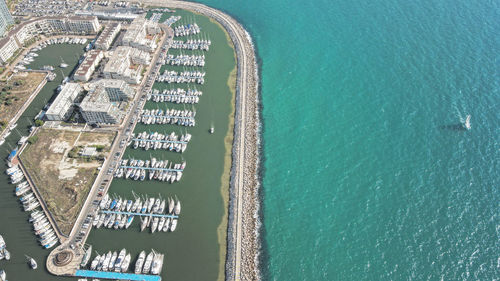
(79, 233)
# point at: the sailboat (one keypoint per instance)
(467, 123)
(63, 64)
(32, 262)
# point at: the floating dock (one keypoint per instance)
(116, 275)
(139, 214)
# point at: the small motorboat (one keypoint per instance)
(32, 262)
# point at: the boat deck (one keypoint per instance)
(162, 141)
(149, 168)
(139, 214)
(167, 116)
(116, 275)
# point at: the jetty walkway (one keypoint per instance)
(116, 275)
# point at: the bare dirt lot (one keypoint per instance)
(61, 174)
(15, 92)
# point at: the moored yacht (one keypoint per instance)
(140, 262)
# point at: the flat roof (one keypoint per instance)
(106, 33)
(89, 60)
(116, 276)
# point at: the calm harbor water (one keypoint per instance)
(14, 226)
(192, 252)
(364, 178)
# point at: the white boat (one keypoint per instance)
(100, 262)
(154, 225)
(467, 123)
(177, 209)
(140, 262)
(174, 225)
(125, 263)
(119, 260)
(161, 224)
(63, 64)
(112, 261)
(6, 254)
(105, 263)
(171, 205)
(86, 256)
(130, 219)
(157, 264)
(148, 263)
(3, 275)
(2, 242)
(95, 262)
(32, 262)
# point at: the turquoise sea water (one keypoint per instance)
(366, 176)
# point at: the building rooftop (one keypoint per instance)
(89, 60)
(107, 32)
(68, 92)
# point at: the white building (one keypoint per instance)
(47, 26)
(88, 66)
(142, 34)
(82, 24)
(60, 109)
(116, 90)
(8, 46)
(107, 36)
(5, 17)
(126, 64)
(98, 112)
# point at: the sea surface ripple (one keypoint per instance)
(368, 175)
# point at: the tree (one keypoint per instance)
(33, 139)
(39, 122)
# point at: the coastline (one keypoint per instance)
(243, 242)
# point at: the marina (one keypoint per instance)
(189, 187)
(199, 44)
(190, 76)
(171, 167)
(20, 231)
(169, 116)
(185, 30)
(30, 202)
(155, 140)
